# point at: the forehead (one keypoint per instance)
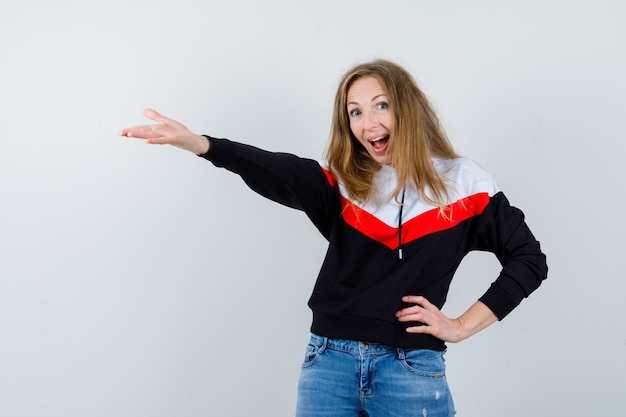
(365, 89)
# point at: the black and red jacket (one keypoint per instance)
(384, 250)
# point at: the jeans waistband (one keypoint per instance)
(352, 346)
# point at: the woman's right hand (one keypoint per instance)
(168, 132)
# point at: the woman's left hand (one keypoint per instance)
(435, 323)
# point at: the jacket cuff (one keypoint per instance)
(220, 152)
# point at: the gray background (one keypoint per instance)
(139, 280)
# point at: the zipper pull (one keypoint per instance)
(399, 253)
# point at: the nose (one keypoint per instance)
(370, 119)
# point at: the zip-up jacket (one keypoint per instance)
(386, 249)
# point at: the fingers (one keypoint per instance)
(142, 132)
(156, 116)
(417, 299)
(425, 317)
(422, 328)
(422, 312)
(420, 303)
(149, 131)
(167, 132)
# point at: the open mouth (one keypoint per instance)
(380, 144)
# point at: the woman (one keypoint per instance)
(400, 210)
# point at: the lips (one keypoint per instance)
(379, 145)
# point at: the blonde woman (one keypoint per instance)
(400, 209)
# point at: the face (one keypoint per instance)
(371, 120)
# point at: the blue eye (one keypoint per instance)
(354, 113)
(382, 106)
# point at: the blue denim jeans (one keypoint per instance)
(344, 378)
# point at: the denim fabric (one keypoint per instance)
(344, 378)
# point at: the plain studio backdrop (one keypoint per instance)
(139, 280)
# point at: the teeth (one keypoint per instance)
(377, 139)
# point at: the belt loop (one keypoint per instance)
(324, 344)
(400, 353)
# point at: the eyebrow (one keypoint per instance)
(373, 99)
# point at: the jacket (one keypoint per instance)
(383, 250)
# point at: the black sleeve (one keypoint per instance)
(287, 179)
(503, 231)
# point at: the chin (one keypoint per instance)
(382, 160)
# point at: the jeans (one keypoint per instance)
(344, 378)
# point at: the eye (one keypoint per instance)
(382, 106)
(354, 112)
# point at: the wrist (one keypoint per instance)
(474, 320)
(463, 330)
(204, 144)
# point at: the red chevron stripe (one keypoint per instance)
(422, 225)
(329, 177)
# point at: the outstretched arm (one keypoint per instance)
(168, 132)
(435, 323)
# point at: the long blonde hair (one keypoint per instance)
(418, 137)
